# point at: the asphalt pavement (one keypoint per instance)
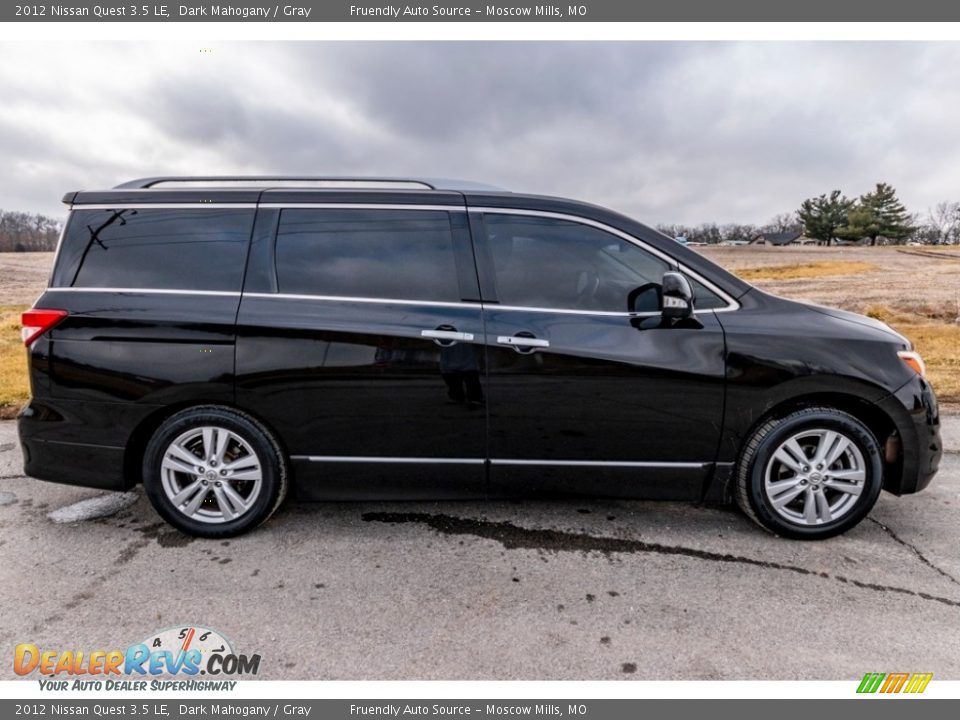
(498, 590)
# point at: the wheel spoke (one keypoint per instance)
(181, 497)
(824, 447)
(238, 503)
(251, 474)
(224, 504)
(823, 507)
(792, 447)
(184, 454)
(197, 500)
(208, 442)
(247, 461)
(837, 451)
(783, 491)
(844, 487)
(220, 445)
(855, 474)
(175, 464)
(810, 508)
(788, 459)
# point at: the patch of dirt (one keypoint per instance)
(23, 276)
(920, 284)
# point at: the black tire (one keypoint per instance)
(272, 464)
(759, 450)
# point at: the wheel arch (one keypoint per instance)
(867, 412)
(878, 421)
(141, 434)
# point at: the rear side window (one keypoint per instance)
(165, 249)
(380, 254)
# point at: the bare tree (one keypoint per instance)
(738, 233)
(782, 222)
(674, 230)
(944, 218)
(26, 232)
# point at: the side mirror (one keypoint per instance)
(677, 297)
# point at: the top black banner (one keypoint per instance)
(465, 11)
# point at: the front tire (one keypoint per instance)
(213, 472)
(810, 475)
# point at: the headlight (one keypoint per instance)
(914, 362)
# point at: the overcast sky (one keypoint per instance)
(667, 132)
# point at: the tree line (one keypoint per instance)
(876, 217)
(27, 232)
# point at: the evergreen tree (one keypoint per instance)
(878, 213)
(823, 216)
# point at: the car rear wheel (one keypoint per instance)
(810, 475)
(213, 472)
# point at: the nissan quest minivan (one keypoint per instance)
(227, 340)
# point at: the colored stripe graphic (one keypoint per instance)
(870, 682)
(894, 682)
(918, 682)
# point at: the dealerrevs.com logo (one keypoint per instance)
(186, 651)
(899, 682)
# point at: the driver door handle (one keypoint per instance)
(450, 335)
(518, 341)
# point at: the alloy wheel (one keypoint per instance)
(211, 474)
(815, 477)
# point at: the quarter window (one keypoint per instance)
(388, 254)
(705, 299)
(181, 249)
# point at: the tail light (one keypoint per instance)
(35, 323)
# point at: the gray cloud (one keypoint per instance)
(683, 132)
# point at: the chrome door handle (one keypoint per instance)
(448, 335)
(519, 342)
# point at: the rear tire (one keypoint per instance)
(810, 475)
(214, 472)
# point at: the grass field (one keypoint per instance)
(915, 290)
(806, 270)
(14, 389)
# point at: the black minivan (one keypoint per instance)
(223, 340)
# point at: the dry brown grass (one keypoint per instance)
(939, 344)
(14, 386)
(935, 334)
(803, 271)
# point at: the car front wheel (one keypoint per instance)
(810, 475)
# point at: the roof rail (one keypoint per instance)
(306, 181)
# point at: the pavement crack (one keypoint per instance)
(13, 477)
(915, 550)
(515, 537)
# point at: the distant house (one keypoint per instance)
(780, 239)
(881, 240)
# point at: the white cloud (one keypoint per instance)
(667, 132)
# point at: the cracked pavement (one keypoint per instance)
(589, 589)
